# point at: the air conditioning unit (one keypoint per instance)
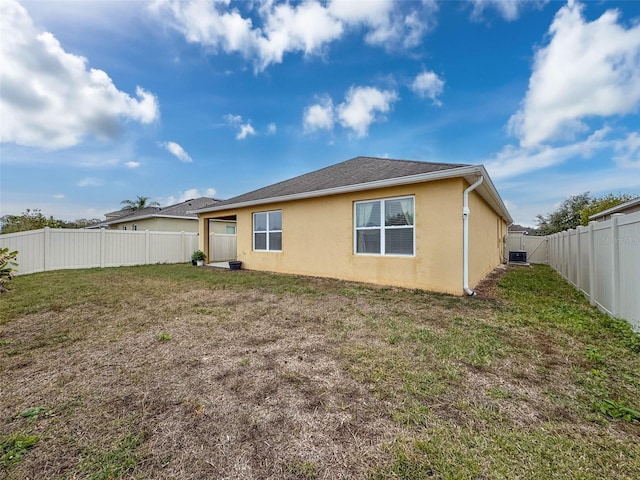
(517, 256)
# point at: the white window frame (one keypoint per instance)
(267, 231)
(383, 227)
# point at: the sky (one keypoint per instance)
(102, 101)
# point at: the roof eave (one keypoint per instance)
(466, 171)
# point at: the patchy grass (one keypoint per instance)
(275, 376)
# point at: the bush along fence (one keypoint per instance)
(56, 249)
(603, 261)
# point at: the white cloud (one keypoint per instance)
(628, 151)
(513, 161)
(388, 24)
(272, 129)
(177, 151)
(319, 116)
(132, 164)
(509, 9)
(246, 130)
(58, 196)
(189, 194)
(53, 99)
(305, 28)
(428, 85)
(90, 182)
(281, 27)
(588, 69)
(232, 119)
(203, 22)
(364, 106)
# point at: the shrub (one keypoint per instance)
(6, 267)
(198, 255)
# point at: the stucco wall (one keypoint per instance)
(486, 235)
(317, 239)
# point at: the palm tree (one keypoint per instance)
(138, 204)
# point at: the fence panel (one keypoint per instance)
(222, 247)
(603, 261)
(629, 251)
(30, 247)
(72, 249)
(56, 249)
(536, 247)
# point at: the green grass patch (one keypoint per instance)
(112, 463)
(535, 383)
(13, 448)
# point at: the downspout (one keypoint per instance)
(465, 236)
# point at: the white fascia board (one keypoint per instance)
(496, 202)
(180, 217)
(147, 217)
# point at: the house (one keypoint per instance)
(432, 226)
(627, 207)
(173, 218)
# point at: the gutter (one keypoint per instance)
(465, 236)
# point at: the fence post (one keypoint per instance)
(147, 247)
(615, 271)
(103, 247)
(592, 265)
(182, 248)
(47, 248)
(578, 260)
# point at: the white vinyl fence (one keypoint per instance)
(537, 248)
(603, 261)
(222, 247)
(60, 248)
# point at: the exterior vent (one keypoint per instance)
(517, 256)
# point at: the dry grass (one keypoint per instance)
(185, 373)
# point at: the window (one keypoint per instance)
(385, 227)
(135, 227)
(267, 231)
(124, 227)
(230, 230)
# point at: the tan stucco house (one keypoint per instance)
(172, 218)
(433, 226)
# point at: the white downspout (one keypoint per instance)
(465, 236)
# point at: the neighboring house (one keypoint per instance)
(627, 207)
(376, 220)
(173, 218)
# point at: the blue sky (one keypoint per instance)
(104, 101)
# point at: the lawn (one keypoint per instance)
(172, 371)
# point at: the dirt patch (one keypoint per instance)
(488, 286)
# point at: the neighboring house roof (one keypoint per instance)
(363, 173)
(627, 207)
(179, 210)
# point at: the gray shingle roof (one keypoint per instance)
(351, 172)
(177, 210)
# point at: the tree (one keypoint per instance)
(565, 217)
(601, 204)
(34, 219)
(138, 204)
(576, 210)
(29, 220)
